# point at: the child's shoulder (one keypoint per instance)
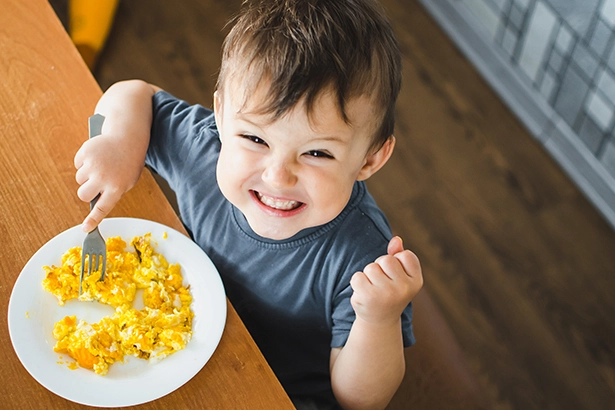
(364, 212)
(362, 230)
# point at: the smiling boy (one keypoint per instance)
(270, 185)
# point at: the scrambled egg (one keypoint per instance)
(161, 328)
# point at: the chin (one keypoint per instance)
(275, 235)
(272, 230)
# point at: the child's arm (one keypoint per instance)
(111, 163)
(367, 371)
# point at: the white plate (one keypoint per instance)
(33, 311)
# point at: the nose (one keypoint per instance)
(279, 174)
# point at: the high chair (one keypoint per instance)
(89, 23)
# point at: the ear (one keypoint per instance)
(376, 160)
(218, 107)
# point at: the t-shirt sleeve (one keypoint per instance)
(176, 127)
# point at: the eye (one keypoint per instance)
(254, 139)
(319, 154)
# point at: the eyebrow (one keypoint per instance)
(243, 116)
(330, 138)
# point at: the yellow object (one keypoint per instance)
(161, 328)
(89, 25)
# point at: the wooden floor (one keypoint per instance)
(519, 301)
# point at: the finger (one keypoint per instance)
(359, 282)
(91, 221)
(376, 274)
(103, 206)
(395, 245)
(391, 266)
(81, 176)
(78, 160)
(410, 262)
(88, 191)
(79, 157)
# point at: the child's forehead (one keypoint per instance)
(253, 97)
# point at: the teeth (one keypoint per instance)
(277, 204)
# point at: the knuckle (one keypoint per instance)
(370, 268)
(384, 260)
(412, 257)
(410, 260)
(355, 281)
(98, 211)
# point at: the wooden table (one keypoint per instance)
(46, 95)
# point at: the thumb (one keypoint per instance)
(396, 245)
(101, 209)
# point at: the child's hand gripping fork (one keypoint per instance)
(93, 245)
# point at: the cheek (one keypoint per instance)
(222, 165)
(226, 171)
(331, 190)
(233, 166)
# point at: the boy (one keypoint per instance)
(270, 185)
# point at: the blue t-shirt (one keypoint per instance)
(293, 295)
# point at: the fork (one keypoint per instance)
(94, 247)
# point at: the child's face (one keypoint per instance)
(298, 171)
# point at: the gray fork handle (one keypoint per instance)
(95, 123)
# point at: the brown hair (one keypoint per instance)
(304, 47)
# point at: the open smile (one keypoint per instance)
(278, 205)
